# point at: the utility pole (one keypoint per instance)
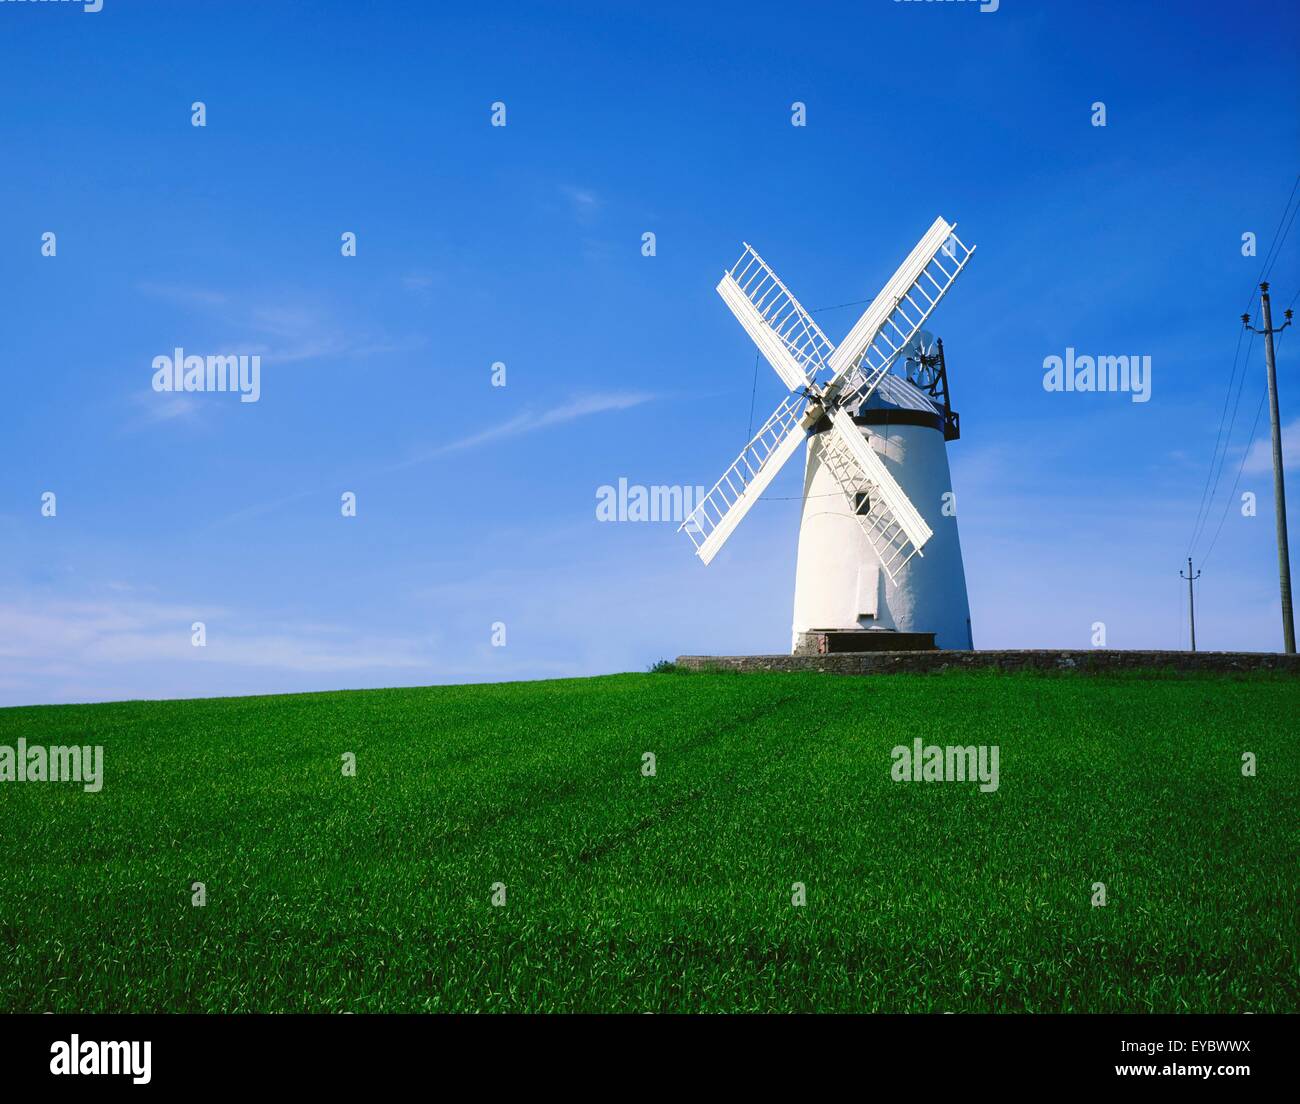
(1191, 600)
(1279, 492)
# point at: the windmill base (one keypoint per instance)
(834, 641)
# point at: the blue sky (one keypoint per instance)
(522, 244)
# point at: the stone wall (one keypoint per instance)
(1087, 660)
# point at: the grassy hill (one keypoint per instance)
(673, 892)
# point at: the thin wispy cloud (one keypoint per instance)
(162, 407)
(260, 510)
(530, 421)
(583, 202)
(75, 634)
(280, 333)
(179, 293)
(583, 406)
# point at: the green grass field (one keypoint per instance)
(673, 892)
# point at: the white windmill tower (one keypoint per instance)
(878, 546)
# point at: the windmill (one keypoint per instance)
(876, 467)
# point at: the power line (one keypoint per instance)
(838, 306)
(1268, 267)
(1227, 440)
(1233, 493)
(1214, 456)
(1242, 466)
(1217, 462)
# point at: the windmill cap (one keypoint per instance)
(893, 402)
(895, 392)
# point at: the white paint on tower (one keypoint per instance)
(839, 584)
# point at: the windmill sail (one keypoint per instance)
(721, 510)
(891, 522)
(898, 312)
(783, 331)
